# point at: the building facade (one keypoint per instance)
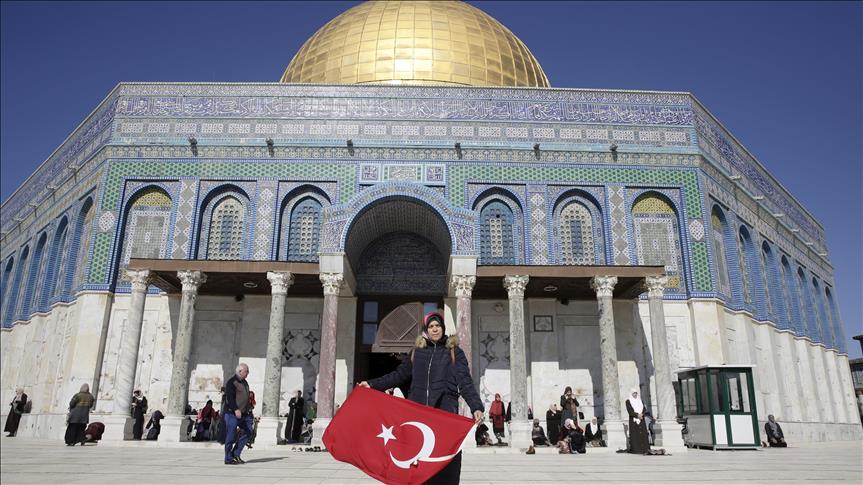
(183, 228)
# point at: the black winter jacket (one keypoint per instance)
(435, 380)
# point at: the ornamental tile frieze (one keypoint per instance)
(454, 108)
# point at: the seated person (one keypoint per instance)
(774, 433)
(538, 435)
(94, 431)
(481, 435)
(571, 438)
(593, 433)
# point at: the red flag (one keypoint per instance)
(394, 440)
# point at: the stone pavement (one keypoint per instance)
(29, 461)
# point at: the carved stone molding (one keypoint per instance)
(191, 279)
(515, 285)
(463, 285)
(603, 285)
(140, 279)
(655, 285)
(332, 283)
(280, 281)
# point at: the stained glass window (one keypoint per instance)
(496, 244)
(304, 232)
(657, 240)
(575, 229)
(226, 230)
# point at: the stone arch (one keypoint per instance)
(152, 205)
(656, 217)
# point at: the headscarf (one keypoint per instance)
(635, 402)
(536, 422)
(569, 423)
(431, 316)
(771, 424)
(496, 406)
(593, 425)
(85, 388)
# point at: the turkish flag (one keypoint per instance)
(392, 439)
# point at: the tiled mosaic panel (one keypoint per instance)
(265, 212)
(304, 232)
(619, 239)
(185, 217)
(536, 200)
(460, 175)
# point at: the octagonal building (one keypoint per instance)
(414, 157)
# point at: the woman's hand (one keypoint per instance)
(364, 384)
(477, 416)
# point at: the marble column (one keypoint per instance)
(669, 434)
(520, 428)
(463, 285)
(604, 287)
(131, 342)
(279, 282)
(332, 283)
(179, 390)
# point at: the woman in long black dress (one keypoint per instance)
(438, 371)
(638, 442)
(552, 423)
(294, 425)
(15, 411)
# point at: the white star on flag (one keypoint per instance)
(386, 434)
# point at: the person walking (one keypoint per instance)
(139, 411)
(238, 413)
(438, 371)
(18, 404)
(498, 418)
(79, 415)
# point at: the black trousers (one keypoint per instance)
(75, 433)
(138, 428)
(450, 475)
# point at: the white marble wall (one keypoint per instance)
(53, 354)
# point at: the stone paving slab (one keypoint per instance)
(30, 461)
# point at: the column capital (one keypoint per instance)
(603, 285)
(332, 283)
(191, 279)
(139, 278)
(463, 285)
(655, 285)
(515, 285)
(280, 281)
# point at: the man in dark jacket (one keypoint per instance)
(438, 372)
(238, 412)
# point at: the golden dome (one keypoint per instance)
(415, 42)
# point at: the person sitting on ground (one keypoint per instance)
(775, 437)
(481, 435)
(94, 431)
(576, 439)
(205, 420)
(593, 433)
(154, 426)
(563, 439)
(538, 435)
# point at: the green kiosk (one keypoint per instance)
(718, 405)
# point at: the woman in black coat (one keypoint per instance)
(438, 372)
(19, 402)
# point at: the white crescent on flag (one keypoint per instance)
(425, 451)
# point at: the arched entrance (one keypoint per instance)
(399, 249)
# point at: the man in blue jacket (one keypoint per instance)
(238, 413)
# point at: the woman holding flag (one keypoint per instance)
(438, 371)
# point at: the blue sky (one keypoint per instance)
(785, 78)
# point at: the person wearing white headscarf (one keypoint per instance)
(638, 442)
(593, 433)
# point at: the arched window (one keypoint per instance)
(825, 332)
(35, 279)
(57, 271)
(81, 244)
(304, 230)
(579, 234)
(792, 304)
(743, 244)
(226, 230)
(657, 239)
(719, 229)
(772, 284)
(833, 311)
(804, 304)
(146, 229)
(12, 304)
(7, 277)
(496, 240)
